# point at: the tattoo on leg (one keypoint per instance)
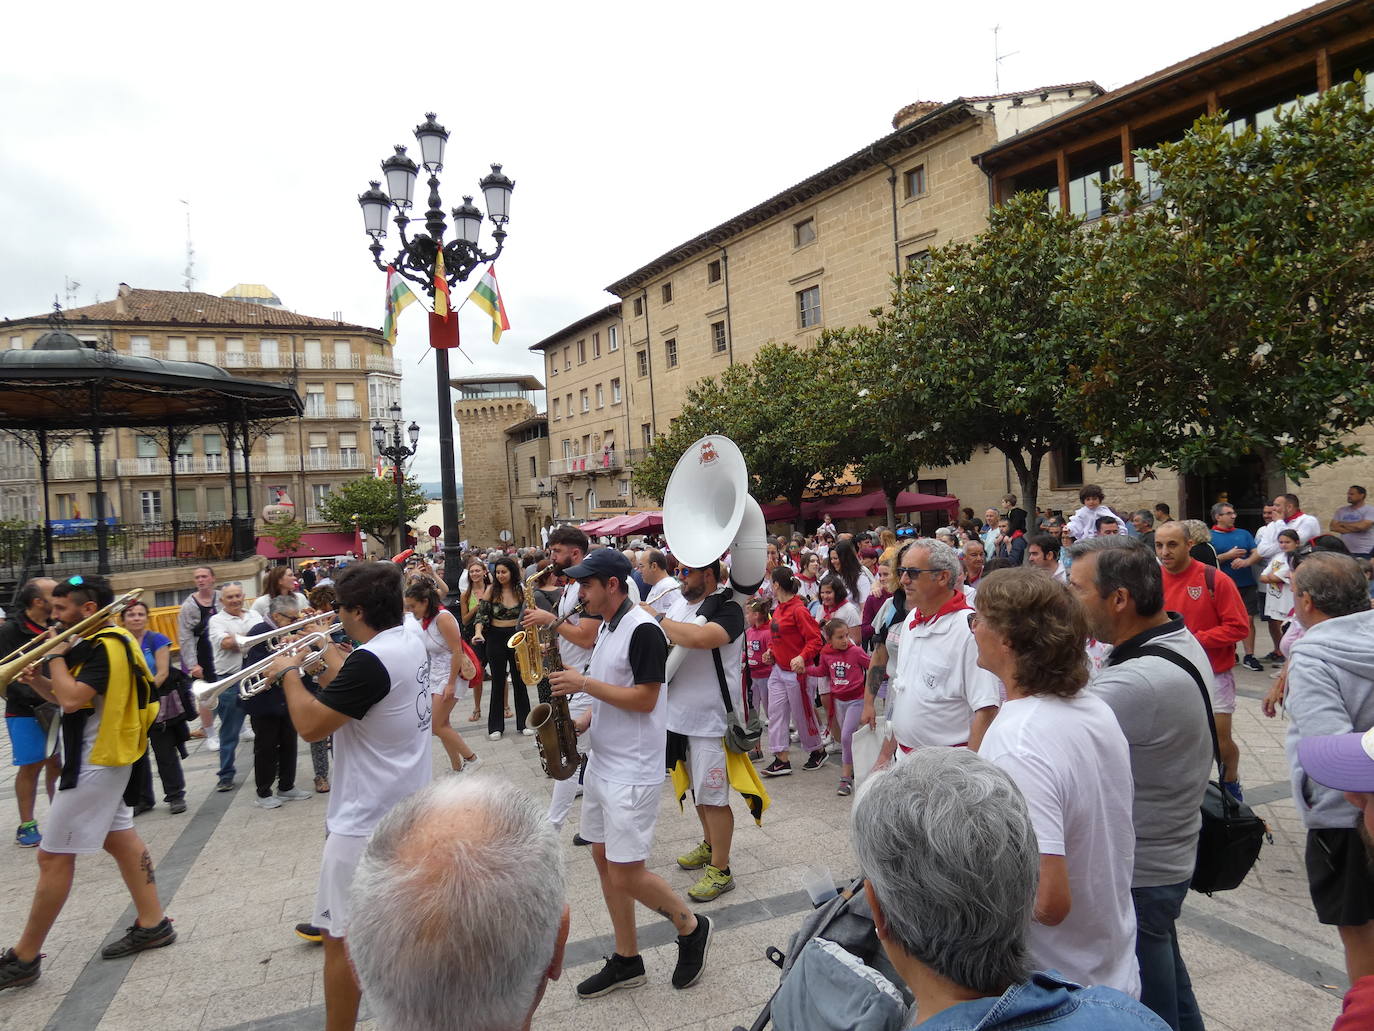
(145, 864)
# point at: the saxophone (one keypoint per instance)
(536, 653)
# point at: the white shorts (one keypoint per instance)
(706, 767)
(620, 816)
(1224, 699)
(341, 855)
(81, 816)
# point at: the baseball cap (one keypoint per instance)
(604, 562)
(1344, 762)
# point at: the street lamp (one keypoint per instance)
(396, 452)
(546, 489)
(415, 259)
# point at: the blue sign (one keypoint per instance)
(77, 527)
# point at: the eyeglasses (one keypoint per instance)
(914, 572)
(972, 620)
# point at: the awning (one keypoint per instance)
(312, 545)
(856, 506)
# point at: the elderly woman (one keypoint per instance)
(1065, 750)
(1200, 541)
(949, 852)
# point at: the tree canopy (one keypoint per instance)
(371, 502)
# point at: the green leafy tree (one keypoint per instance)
(1233, 317)
(286, 535)
(974, 350)
(370, 502)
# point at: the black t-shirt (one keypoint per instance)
(20, 699)
(648, 654)
(95, 665)
(722, 609)
(361, 683)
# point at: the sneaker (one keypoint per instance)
(27, 836)
(177, 805)
(697, 858)
(310, 933)
(211, 743)
(846, 787)
(713, 884)
(268, 803)
(777, 768)
(15, 973)
(1273, 657)
(293, 794)
(691, 954)
(495, 735)
(527, 732)
(1233, 788)
(815, 760)
(322, 785)
(619, 972)
(246, 735)
(143, 807)
(137, 939)
(225, 785)
(471, 765)
(578, 839)
(1252, 663)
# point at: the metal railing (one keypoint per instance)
(380, 363)
(331, 410)
(131, 546)
(605, 461)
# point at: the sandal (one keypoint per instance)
(476, 716)
(509, 714)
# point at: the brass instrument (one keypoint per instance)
(273, 637)
(252, 679)
(536, 653)
(32, 652)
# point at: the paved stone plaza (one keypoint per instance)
(236, 879)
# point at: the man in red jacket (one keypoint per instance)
(1212, 609)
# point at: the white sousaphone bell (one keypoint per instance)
(707, 510)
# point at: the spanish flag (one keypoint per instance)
(443, 323)
(441, 305)
(487, 296)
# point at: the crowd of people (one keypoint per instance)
(1045, 691)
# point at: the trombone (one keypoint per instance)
(274, 637)
(253, 679)
(32, 652)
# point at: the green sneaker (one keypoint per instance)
(712, 885)
(695, 859)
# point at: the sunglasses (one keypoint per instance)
(913, 571)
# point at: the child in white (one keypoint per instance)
(1084, 522)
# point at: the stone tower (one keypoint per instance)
(486, 406)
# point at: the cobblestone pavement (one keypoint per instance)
(236, 879)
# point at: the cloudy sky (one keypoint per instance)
(628, 127)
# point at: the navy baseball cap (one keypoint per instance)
(1344, 762)
(602, 563)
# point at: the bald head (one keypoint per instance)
(1171, 546)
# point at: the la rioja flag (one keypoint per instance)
(487, 296)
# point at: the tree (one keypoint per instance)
(286, 535)
(370, 503)
(781, 409)
(975, 351)
(1233, 316)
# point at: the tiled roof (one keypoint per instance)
(1089, 85)
(179, 307)
(607, 312)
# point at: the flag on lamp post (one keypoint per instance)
(487, 296)
(443, 322)
(441, 305)
(398, 295)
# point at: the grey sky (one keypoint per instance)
(628, 128)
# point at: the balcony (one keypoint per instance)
(610, 461)
(59, 469)
(380, 363)
(329, 361)
(336, 410)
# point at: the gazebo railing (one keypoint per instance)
(132, 546)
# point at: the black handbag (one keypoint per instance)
(1232, 835)
(740, 736)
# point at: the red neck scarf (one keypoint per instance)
(957, 602)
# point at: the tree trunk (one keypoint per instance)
(1027, 466)
(796, 502)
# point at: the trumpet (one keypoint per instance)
(253, 679)
(32, 652)
(273, 637)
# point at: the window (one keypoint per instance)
(718, 342)
(347, 404)
(646, 434)
(176, 349)
(319, 449)
(314, 359)
(534, 468)
(567, 449)
(343, 355)
(140, 346)
(276, 446)
(1066, 466)
(582, 352)
(667, 290)
(233, 352)
(804, 232)
(314, 400)
(214, 503)
(914, 181)
(615, 391)
(622, 488)
(318, 492)
(570, 407)
(17, 344)
(348, 449)
(639, 306)
(642, 362)
(553, 366)
(612, 339)
(150, 505)
(670, 352)
(555, 410)
(591, 498)
(205, 350)
(572, 507)
(187, 505)
(918, 261)
(567, 359)
(585, 401)
(600, 397)
(147, 447)
(213, 446)
(713, 271)
(809, 306)
(596, 345)
(270, 357)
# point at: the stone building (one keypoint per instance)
(489, 410)
(346, 374)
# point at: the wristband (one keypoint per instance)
(584, 683)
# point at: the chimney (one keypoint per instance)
(123, 292)
(914, 113)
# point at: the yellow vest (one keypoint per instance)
(130, 701)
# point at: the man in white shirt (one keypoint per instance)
(938, 695)
(230, 622)
(378, 709)
(1294, 518)
(1042, 552)
(664, 591)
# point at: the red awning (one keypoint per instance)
(312, 545)
(875, 503)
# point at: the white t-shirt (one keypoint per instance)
(694, 703)
(440, 666)
(1305, 525)
(223, 625)
(849, 612)
(1072, 763)
(664, 595)
(938, 683)
(381, 754)
(1083, 525)
(628, 747)
(262, 603)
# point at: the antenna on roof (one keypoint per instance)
(71, 286)
(189, 276)
(997, 58)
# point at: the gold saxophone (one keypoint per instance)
(536, 653)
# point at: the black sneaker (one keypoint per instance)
(579, 840)
(691, 954)
(777, 768)
(225, 785)
(15, 973)
(177, 805)
(310, 933)
(619, 972)
(137, 939)
(1273, 657)
(1252, 663)
(815, 760)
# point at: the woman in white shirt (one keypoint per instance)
(452, 666)
(280, 581)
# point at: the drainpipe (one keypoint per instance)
(729, 326)
(649, 361)
(892, 187)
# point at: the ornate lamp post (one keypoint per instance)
(396, 452)
(416, 258)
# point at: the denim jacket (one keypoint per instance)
(1048, 1001)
